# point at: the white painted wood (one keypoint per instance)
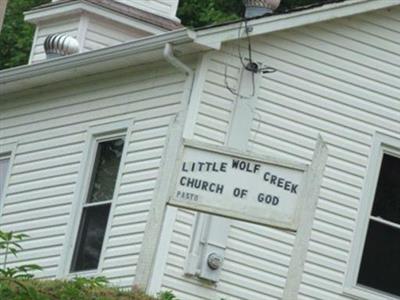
(309, 194)
(51, 133)
(94, 134)
(82, 31)
(69, 26)
(3, 6)
(7, 155)
(161, 258)
(158, 209)
(382, 144)
(219, 34)
(335, 79)
(164, 8)
(104, 33)
(281, 211)
(66, 9)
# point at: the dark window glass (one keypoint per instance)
(105, 170)
(90, 238)
(380, 264)
(95, 212)
(387, 196)
(4, 162)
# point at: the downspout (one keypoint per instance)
(148, 275)
(170, 57)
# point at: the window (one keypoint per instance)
(97, 206)
(4, 164)
(374, 266)
(380, 261)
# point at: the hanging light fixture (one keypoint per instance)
(258, 8)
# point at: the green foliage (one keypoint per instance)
(167, 295)
(197, 13)
(17, 283)
(16, 35)
(12, 278)
(77, 289)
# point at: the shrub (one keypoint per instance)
(17, 283)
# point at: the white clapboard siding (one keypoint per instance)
(102, 33)
(164, 8)
(51, 133)
(68, 26)
(216, 105)
(338, 79)
(250, 270)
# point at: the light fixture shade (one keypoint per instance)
(56, 45)
(257, 8)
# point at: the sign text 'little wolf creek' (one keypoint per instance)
(214, 180)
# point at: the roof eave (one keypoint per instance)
(215, 36)
(37, 16)
(89, 63)
(127, 54)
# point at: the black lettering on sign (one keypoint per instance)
(241, 193)
(245, 166)
(201, 164)
(268, 199)
(293, 189)
(280, 182)
(203, 185)
(204, 166)
(187, 196)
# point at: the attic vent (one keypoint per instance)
(257, 8)
(56, 45)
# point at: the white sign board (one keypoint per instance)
(241, 186)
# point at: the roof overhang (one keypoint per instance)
(125, 55)
(66, 9)
(186, 41)
(215, 36)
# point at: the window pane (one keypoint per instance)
(90, 238)
(4, 162)
(387, 196)
(105, 170)
(380, 264)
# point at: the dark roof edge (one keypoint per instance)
(124, 9)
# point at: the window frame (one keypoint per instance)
(382, 144)
(7, 150)
(95, 135)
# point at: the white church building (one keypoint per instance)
(253, 160)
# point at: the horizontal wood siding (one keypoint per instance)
(339, 79)
(51, 131)
(165, 8)
(69, 27)
(250, 270)
(102, 33)
(216, 104)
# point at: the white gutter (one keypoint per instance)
(112, 58)
(215, 36)
(170, 57)
(145, 269)
(84, 64)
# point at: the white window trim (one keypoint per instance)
(382, 144)
(95, 134)
(7, 150)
